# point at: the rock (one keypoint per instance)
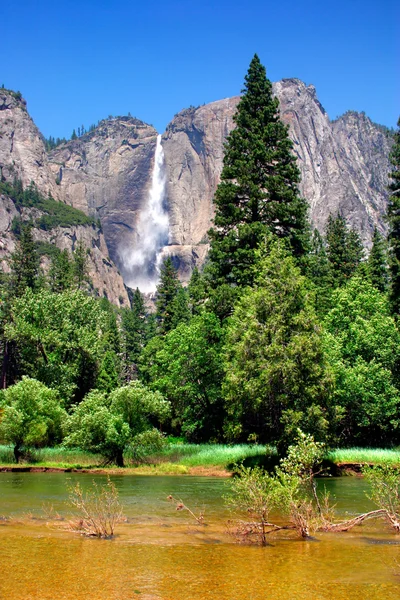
(343, 164)
(106, 173)
(22, 151)
(23, 155)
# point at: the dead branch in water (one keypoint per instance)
(181, 506)
(350, 523)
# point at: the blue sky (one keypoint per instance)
(76, 62)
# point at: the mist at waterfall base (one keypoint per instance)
(143, 260)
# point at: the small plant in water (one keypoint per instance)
(99, 509)
(179, 505)
(385, 491)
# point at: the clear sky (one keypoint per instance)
(76, 62)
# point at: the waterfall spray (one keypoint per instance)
(143, 262)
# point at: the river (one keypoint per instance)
(160, 553)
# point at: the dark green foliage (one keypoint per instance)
(60, 272)
(258, 189)
(197, 292)
(171, 302)
(276, 374)
(363, 348)
(393, 214)
(79, 265)
(186, 367)
(51, 142)
(57, 214)
(377, 266)
(344, 250)
(316, 267)
(24, 265)
(134, 325)
(108, 377)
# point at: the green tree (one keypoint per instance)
(61, 339)
(276, 373)
(30, 416)
(344, 250)
(24, 264)
(258, 191)
(135, 328)
(197, 292)
(108, 377)
(393, 215)
(363, 348)
(60, 272)
(80, 265)
(107, 424)
(317, 269)
(186, 367)
(170, 307)
(377, 267)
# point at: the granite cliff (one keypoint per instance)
(343, 164)
(107, 173)
(23, 156)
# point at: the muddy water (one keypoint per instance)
(160, 553)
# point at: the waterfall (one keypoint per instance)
(142, 263)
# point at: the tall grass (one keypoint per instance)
(365, 455)
(211, 455)
(52, 457)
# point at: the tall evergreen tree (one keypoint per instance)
(60, 273)
(167, 291)
(258, 189)
(377, 263)
(80, 268)
(394, 223)
(135, 327)
(344, 250)
(24, 264)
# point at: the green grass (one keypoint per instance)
(211, 455)
(52, 457)
(179, 457)
(375, 456)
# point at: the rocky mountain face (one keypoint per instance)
(343, 164)
(23, 156)
(107, 173)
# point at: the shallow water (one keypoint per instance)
(160, 553)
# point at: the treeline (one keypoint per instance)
(283, 330)
(56, 214)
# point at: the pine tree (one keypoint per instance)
(393, 214)
(167, 290)
(80, 269)
(60, 273)
(344, 250)
(135, 327)
(197, 292)
(258, 189)
(24, 264)
(377, 263)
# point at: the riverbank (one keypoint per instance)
(212, 460)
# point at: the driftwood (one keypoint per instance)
(350, 523)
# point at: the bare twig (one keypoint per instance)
(181, 506)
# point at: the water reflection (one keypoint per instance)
(160, 553)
